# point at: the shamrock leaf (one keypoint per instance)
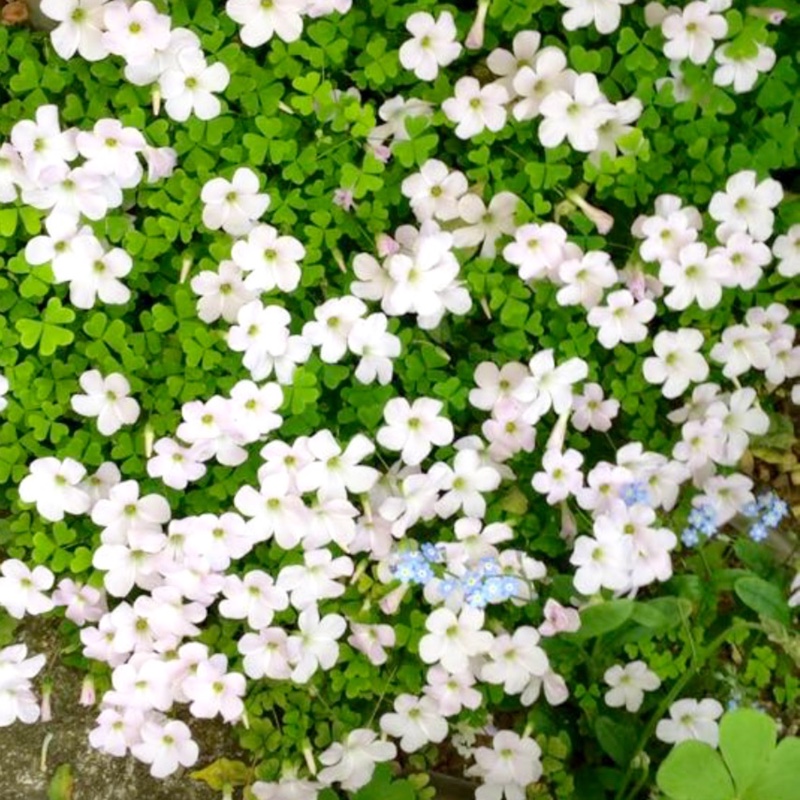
(750, 767)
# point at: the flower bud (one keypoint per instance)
(155, 98)
(774, 16)
(386, 245)
(474, 38)
(88, 697)
(149, 438)
(186, 265)
(603, 221)
(46, 708)
(391, 602)
(308, 756)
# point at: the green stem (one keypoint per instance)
(697, 662)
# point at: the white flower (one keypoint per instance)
(740, 417)
(370, 339)
(221, 293)
(262, 334)
(691, 719)
(188, 87)
(452, 641)
(135, 32)
(561, 477)
(97, 275)
(372, 640)
(174, 464)
(452, 692)
(332, 324)
(741, 348)
(507, 767)
(591, 410)
(744, 260)
(787, 250)
(746, 205)
(538, 250)
(414, 429)
(549, 386)
(628, 685)
(315, 645)
(55, 488)
(514, 658)
(584, 279)
(534, 82)
(496, 384)
(107, 399)
(690, 33)
(742, 72)
(233, 205)
(507, 65)
(433, 44)
(603, 559)
(416, 722)
(261, 21)
(3, 389)
(288, 788)
(622, 319)
(677, 362)
(269, 260)
(81, 28)
(22, 590)
(352, 762)
(165, 746)
(604, 14)
(484, 224)
(696, 276)
(434, 191)
(475, 108)
(575, 116)
(465, 485)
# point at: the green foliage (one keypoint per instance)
(748, 766)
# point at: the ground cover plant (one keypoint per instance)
(408, 386)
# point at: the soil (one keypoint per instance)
(31, 754)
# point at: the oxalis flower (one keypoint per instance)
(107, 399)
(54, 486)
(433, 44)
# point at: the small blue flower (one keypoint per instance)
(635, 494)
(758, 531)
(751, 509)
(433, 553)
(448, 586)
(690, 537)
(490, 566)
(476, 598)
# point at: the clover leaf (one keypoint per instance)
(748, 767)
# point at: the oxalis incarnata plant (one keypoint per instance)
(410, 386)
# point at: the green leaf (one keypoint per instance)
(763, 597)
(62, 783)
(604, 617)
(746, 741)
(223, 773)
(694, 771)
(30, 330)
(8, 222)
(616, 738)
(781, 779)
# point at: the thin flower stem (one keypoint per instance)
(697, 662)
(382, 695)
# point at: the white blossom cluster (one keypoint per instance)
(261, 21)
(692, 32)
(154, 52)
(17, 700)
(38, 166)
(535, 82)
